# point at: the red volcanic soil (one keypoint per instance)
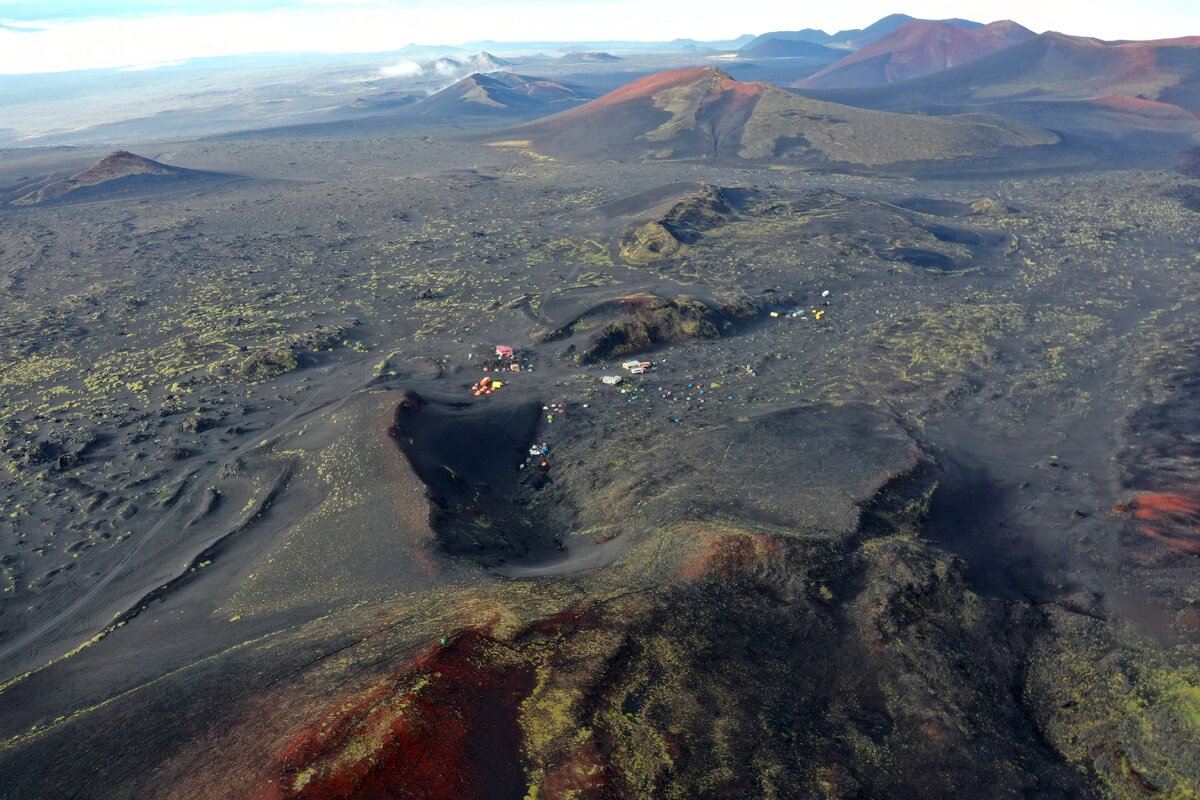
(120, 164)
(916, 49)
(1048, 66)
(711, 104)
(1100, 62)
(730, 554)
(645, 88)
(445, 728)
(719, 89)
(113, 167)
(718, 82)
(1132, 60)
(580, 777)
(703, 113)
(1173, 520)
(1143, 107)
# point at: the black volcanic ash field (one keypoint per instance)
(929, 534)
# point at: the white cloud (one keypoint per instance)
(446, 69)
(405, 69)
(156, 65)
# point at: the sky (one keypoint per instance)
(63, 35)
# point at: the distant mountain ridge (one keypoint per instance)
(1049, 66)
(916, 49)
(587, 57)
(855, 37)
(525, 47)
(1119, 102)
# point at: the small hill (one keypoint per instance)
(384, 101)
(452, 68)
(636, 323)
(681, 223)
(441, 66)
(807, 35)
(855, 37)
(485, 62)
(674, 224)
(789, 48)
(1051, 66)
(719, 45)
(703, 113)
(581, 57)
(116, 170)
(914, 50)
(495, 94)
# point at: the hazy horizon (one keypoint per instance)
(72, 35)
